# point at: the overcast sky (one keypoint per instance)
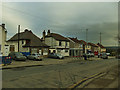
(68, 19)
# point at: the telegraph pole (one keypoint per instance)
(18, 36)
(100, 41)
(86, 35)
(86, 38)
(100, 37)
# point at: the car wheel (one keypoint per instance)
(15, 58)
(40, 59)
(34, 59)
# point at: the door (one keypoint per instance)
(12, 48)
(54, 51)
(6, 50)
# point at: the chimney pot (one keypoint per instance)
(30, 31)
(3, 25)
(26, 30)
(44, 33)
(48, 33)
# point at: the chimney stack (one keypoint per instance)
(30, 31)
(25, 30)
(44, 33)
(48, 33)
(3, 25)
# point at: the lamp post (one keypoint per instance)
(18, 36)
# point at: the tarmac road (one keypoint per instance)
(54, 76)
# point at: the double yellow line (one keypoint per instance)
(85, 79)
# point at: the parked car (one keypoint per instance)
(108, 54)
(55, 55)
(90, 55)
(5, 59)
(104, 56)
(35, 56)
(118, 56)
(17, 56)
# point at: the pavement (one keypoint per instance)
(46, 61)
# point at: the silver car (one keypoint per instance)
(55, 55)
(35, 56)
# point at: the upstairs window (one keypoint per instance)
(60, 43)
(22, 42)
(88, 46)
(66, 50)
(65, 43)
(0, 47)
(81, 45)
(27, 41)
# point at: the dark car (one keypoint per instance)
(17, 56)
(90, 55)
(104, 56)
(118, 56)
(55, 55)
(5, 59)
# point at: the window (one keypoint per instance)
(0, 47)
(60, 43)
(66, 50)
(27, 41)
(88, 46)
(65, 43)
(22, 42)
(59, 51)
(45, 50)
(81, 45)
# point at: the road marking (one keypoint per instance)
(85, 79)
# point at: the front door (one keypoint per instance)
(54, 51)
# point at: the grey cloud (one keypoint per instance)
(68, 19)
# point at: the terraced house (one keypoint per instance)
(93, 48)
(101, 48)
(28, 43)
(76, 47)
(58, 43)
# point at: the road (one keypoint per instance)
(54, 76)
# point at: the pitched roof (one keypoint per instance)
(28, 35)
(74, 39)
(82, 41)
(92, 44)
(57, 37)
(77, 41)
(100, 45)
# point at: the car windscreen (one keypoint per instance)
(19, 54)
(58, 54)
